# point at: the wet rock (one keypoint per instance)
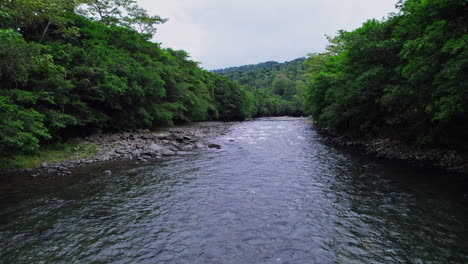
(216, 146)
(107, 172)
(199, 145)
(187, 147)
(149, 152)
(189, 139)
(146, 158)
(167, 152)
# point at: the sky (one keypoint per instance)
(226, 33)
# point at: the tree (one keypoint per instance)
(125, 13)
(19, 14)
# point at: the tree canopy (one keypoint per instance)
(63, 74)
(404, 76)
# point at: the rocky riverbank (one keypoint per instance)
(388, 149)
(141, 146)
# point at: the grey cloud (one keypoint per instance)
(230, 33)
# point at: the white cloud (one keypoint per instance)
(223, 33)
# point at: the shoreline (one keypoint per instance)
(448, 160)
(140, 145)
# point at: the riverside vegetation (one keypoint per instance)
(70, 67)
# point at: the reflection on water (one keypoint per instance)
(275, 193)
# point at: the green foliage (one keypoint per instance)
(124, 13)
(402, 76)
(277, 88)
(107, 76)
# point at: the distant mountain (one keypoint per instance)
(261, 76)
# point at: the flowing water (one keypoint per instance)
(275, 193)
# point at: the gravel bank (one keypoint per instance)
(388, 149)
(141, 146)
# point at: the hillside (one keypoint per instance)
(261, 76)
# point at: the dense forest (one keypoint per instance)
(282, 85)
(403, 77)
(69, 67)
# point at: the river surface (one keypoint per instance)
(274, 193)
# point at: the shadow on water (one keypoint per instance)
(274, 193)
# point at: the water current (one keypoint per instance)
(275, 192)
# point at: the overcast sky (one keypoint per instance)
(225, 33)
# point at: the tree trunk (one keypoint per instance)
(45, 31)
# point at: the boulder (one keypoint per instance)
(163, 136)
(199, 145)
(216, 146)
(156, 147)
(189, 139)
(136, 153)
(120, 151)
(149, 136)
(167, 152)
(140, 146)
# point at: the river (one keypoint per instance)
(275, 192)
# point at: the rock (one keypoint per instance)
(149, 153)
(145, 158)
(107, 172)
(167, 152)
(189, 139)
(140, 146)
(136, 153)
(44, 165)
(156, 147)
(187, 147)
(120, 151)
(199, 145)
(177, 137)
(216, 146)
(163, 136)
(149, 136)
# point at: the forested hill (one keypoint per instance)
(261, 76)
(279, 87)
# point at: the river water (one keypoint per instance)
(274, 193)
